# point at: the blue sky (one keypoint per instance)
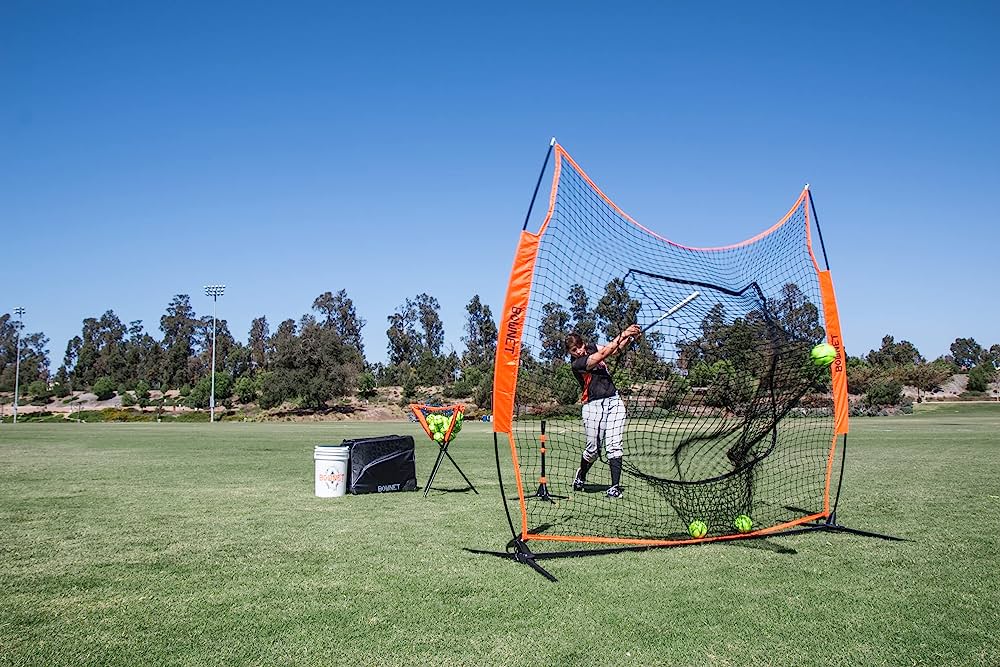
(288, 149)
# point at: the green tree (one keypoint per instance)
(467, 384)
(434, 370)
(143, 356)
(33, 353)
(925, 377)
(178, 327)
(616, 310)
(111, 357)
(966, 352)
(416, 336)
(100, 351)
(338, 313)
(428, 310)
(238, 362)
(860, 375)
(584, 320)
(259, 342)
(405, 342)
(893, 354)
(709, 345)
(326, 366)
(480, 334)
(69, 370)
(552, 332)
(797, 316)
(201, 362)
(992, 356)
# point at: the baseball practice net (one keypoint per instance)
(727, 416)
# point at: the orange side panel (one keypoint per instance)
(515, 309)
(839, 366)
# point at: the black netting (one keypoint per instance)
(714, 393)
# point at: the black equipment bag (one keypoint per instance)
(382, 464)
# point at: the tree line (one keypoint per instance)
(321, 356)
(309, 361)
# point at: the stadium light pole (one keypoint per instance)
(214, 291)
(17, 363)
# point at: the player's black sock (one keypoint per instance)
(616, 470)
(584, 467)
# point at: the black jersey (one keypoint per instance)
(595, 383)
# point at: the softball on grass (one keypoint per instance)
(697, 529)
(743, 523)
(823, 354)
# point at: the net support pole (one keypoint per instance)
(538, 184)
(831, 520)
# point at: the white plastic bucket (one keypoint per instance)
(332, 464)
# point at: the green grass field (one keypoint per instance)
(196, 544)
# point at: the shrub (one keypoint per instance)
(884, 392)
(104, 388)
(484, 393)
(128, 400)
(559, 412)
(142, 390)
(39, 389)
(673, 391)
(973, 396)
(200, 395)
(367, 387)
(410, 386)
(41, 416)
(271, 392)
(567, 389)
(980, 378)
(246, 390)
(191, 417)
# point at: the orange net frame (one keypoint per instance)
(726, 416)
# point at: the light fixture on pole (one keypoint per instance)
(214, 291)
(17, 364)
